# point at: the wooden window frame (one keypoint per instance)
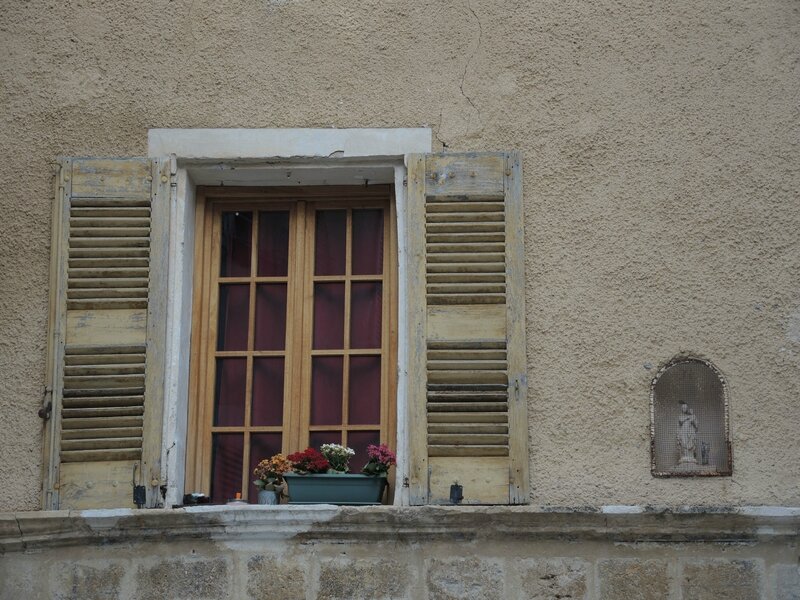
(209, 202)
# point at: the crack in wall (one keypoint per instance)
(469, 60)
(444, 144)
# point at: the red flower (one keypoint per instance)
(309, 461)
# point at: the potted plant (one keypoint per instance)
(338, 457)
(321, 477)
(269, 478)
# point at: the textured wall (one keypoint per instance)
(661, 188)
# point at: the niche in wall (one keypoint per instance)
(689, 421)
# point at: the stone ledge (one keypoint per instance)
(46, 529)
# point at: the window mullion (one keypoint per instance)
(346, 345)
(301, 328)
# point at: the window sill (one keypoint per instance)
(47, 529)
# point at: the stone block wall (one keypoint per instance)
(433, 554)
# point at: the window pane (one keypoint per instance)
(358, 441)
(226, 470)
(237, 242)
(229, 394)
(364, 403)
(367, 241)
(262, 445)
(317, 438)
(326, 390)
(234, 306)
(273, 243)
(267, 405)
(328, 316)
(365, 314)
(329, 251)
(270, 333)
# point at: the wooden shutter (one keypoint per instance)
(108, 320)
(467, 383)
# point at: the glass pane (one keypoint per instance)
(273, 244)
(229, 393)
(367, 241)
(364, 403)
(262, 445)
(236, 242)
(329, 251)
(365, 314)
(358, 441)
(226, 470)
(317, 438)
(326, 390)
(267, 406)
(270, 333)
(328, 316)
(234, 307)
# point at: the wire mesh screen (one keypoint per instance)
(689, 421)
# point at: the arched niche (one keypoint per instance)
(689, 420)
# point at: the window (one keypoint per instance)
(294, 340)
(120, 433)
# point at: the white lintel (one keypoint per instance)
(230, 144)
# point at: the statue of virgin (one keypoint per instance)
(687, 435)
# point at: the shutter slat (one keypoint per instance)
(109, 242)
(465, 218)
(105, 432)
(467, 451)
(107, 261)
(473, 268)
(108, 272)
(464, 238)
(101, 455)
(476, 227)
(109, 253)
(463, 299)
(109, 232)
(466, 438)
(106, 283)
(481, 407)
(474, 248)
(103, 293)
(471, 354)
(130, 443)
(466, 278)
(467, 288)
(101, 222)
(91, 412)
(110, 202)
(112, 211)
(102, 359)
(102, 401)
(459, 428)
(99, 422)
(467, 418)
(463, 207)
(456, 365)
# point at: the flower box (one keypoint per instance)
(323, 488)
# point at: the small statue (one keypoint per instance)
(687, 435)
(705, 451)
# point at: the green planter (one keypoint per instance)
(335, 489)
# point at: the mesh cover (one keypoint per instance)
(689, 421)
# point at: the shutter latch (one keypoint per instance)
(47, 407)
